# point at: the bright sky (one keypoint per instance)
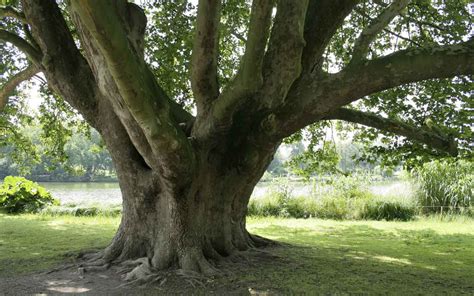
(33, 96)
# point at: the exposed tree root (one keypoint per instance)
(193, 278)
(128, 265)
(64, 267)
(197, 267)
(94, 262)
(138, 272)
(260, 241)
(90, 256)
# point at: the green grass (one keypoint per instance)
(33, 242)
(421, 257)
(428, 256)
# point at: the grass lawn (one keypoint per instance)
(325, 256)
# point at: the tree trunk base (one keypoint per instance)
(192, 265)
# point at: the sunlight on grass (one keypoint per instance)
(34, 242)
(392, 260)
(428, 256)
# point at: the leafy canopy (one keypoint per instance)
(443, 105)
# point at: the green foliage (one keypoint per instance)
(388, 210)
(445, 185)
(274, 203)
(169, 44)
(84, 159)
(333, 207)
(446, 102)
(169, 41)
(347, 199)
(19, 195)
(315, 160)
(80, 211)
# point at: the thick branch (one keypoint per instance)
(281, 65)
(312, 100)
(283, 59)
(23, 45)
(8, 11)
(423, 135)
(407, 66)
(364, 14)
(69, 75)
(259, 29)
(368, 35)
(323, 19)
(11, 84)
(65, 68)
(249, 78)
(142, 95)
(205, 53)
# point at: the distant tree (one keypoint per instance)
(84, 159)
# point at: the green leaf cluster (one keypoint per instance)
(19, 195)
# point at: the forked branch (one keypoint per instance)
(250, 76)
(407, 66)
(33, 54)
(315, 99)
(420, 134)
(9, 87)
(141, 93)
(368, 35)
(8, 11)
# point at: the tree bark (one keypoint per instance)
(192, 228)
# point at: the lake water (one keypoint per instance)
(85, 193)
(107, 194)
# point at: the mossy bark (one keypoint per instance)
(201, 223)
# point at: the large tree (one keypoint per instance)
(258, 73)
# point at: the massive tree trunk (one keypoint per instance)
(187, 227)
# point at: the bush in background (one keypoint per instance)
(388, 210)
(445, 186)
(82, 211)
(349, 198)
(19, 195)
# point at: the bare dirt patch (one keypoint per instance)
(70, 279)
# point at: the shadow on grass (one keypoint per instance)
(317, 257)
(31, 243)
(362, 259)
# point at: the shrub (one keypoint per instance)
(274, 203)
(387, 210)
(266, 206)
(19, 195)
(333, 208)
(302, 207)
(351, 186)
(348, 197)
(79, 211)
(445, 186)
